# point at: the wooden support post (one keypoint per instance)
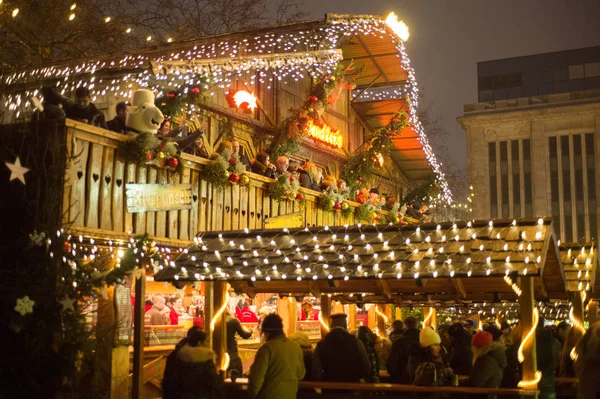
(430, 317)
(372, 317)
(337, 307)
(209, 309)
(381, 321)
(325, 313)
(577, 303)
(219, 334)
(352, 317)
(593, 312)
(398, 313)
(526, 302)
(286, 309)
(138, 336)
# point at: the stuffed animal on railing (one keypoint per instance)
(143, 115)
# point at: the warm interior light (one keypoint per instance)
(399, 28)
(325, 134)
(529, 336)
(322, 322)
(243, 97)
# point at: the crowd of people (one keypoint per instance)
(487, 354)
(167, 311)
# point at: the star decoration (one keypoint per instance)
(16, 170)
(24, 305)
(67, 303)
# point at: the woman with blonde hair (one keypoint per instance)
(309, 176)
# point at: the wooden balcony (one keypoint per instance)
(94, 199)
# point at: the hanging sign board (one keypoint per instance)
(158, 197)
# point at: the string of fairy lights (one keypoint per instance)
(222, 68)
(378, 251)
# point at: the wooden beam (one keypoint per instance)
(527, 303)
(381, 321)
(219, 334)
(384, 288)
(352, 317)
(314, 290)
(138, 336)
(459, 287)
(325, 313)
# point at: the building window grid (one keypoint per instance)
(573, 187)
(510, 178)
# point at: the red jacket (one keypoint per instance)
(248, 316)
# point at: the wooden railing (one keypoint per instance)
(94, 194)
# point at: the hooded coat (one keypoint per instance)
(277, 368)
(587, 366)
(488, 368)
(340, 357)
(398, 360)
(190, 373)
(461, 360)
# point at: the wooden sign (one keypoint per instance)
(325, 134)
(158, 197)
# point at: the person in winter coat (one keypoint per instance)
(339, 356)
(397, 330)
(190, 372)
(278, 365)
(235, 362)
(566, 365)
(309, 176)
(117, 124)
(489, 361)
(425, 364)
(512, 372)
(366, 336)
(84, 110)
(401, 349)
(261, 164)
(548, 357)
(461, 360)
(587, 365)
(301, 338)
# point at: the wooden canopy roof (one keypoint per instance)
(446, 262)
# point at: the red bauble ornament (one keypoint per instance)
(232, 161)
(337, 206)
(67, 246)
(291, 179)
(234, 177)
(314, 99)
(393, 120)
(299, 196)
(194, 90)
(171, 95)
(173, 162)
(378, 217)
(148, 156)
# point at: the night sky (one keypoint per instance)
(449, 37)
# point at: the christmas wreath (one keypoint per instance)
(286, 187)
(147, 149)
(224, 169)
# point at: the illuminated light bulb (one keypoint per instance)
(438, 227)
(451, 273)
(468, 260)
(399, 276)
(148, 38)
(346, 278)
(456, 237)
(538, 259)
(540, 221)
(107, 19)
(299, 278)
(441, 250)
(416, 275)
(73, 6)
(418, 230)
(505, 247)
(443, 238)
(314, 277)
(253, 278)
(461, 249)
(283, 276)
(15, 12)
(454, 226)
(491, 224)
(469, 273)
(407, 241)
(488, 271)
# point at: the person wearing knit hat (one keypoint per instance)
(489, 361)
(425, 365)
(340, 356)
(278, 364)
(301, 338)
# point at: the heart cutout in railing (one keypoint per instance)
(107, 179)
(79, 174)
(243, 213)
(195, 197)
(95, 176)
(204, 199)
(236, 211)
(210, 202)
(119, 182)
(227, 209)
(258, 215)
(251, 214)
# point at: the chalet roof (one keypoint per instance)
(452, 261)
(385, 85)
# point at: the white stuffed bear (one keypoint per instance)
(143, 115)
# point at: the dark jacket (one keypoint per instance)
(489, 365)
(512, 372)
(398, 360)
(190, 373)
(307, 181)
(234, 326)
(260, 168)
(92, 114)
(366, 336)
(548, 357)
(117, 125)
(394, 335)
(340, 357)
(420, 355)
(461, 360)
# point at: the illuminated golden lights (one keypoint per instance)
(325, 134)
(529, 336)
(219, 312)
(399, 28)
(243, 97)
(381, 314)
(531, 384)
(322, 322)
